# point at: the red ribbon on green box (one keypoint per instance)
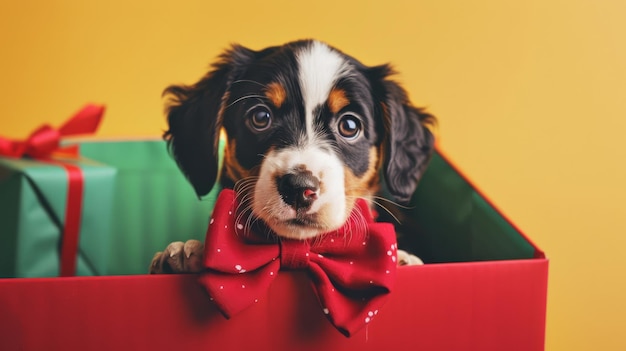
(43, 144)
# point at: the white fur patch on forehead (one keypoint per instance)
(319, 68)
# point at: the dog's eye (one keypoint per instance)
(349, 126)
(260, 118)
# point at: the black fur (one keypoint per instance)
(194, 126)
(409, 143)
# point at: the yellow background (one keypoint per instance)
(530, 97)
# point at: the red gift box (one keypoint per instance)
(491, 301)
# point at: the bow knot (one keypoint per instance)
(45, 140)
(352, 269)
(294, 254)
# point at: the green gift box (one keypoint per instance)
(35, 200)
(54, 206)
(153, 202)
(136, 201)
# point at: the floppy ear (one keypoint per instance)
(408, 143)
(194, 114)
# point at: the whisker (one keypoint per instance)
(249, 81)
(388, 211)
(380, 205)
(244, 181)
(246, 97)
(393, 202)
(245, 194)
(359, 220)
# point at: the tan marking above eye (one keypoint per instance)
(276, 93)
(337, 100)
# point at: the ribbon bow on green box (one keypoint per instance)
(55, 207)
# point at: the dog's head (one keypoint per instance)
(309, 130)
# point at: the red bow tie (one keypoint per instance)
(353, 269)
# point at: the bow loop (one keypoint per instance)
(352, 269)
(228, 242)
(248, 287)
(46, 140)
(11, 148)
(85, 121)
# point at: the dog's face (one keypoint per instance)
(309, 130)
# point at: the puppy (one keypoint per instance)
(308, 131)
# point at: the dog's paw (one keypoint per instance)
(178, 257)
(406, 259)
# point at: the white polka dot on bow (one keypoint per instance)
(370, 316)
(326, 311)
(239, 226)
(212, 220)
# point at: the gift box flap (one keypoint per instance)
(452, 221)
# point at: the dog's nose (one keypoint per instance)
(299, 190)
